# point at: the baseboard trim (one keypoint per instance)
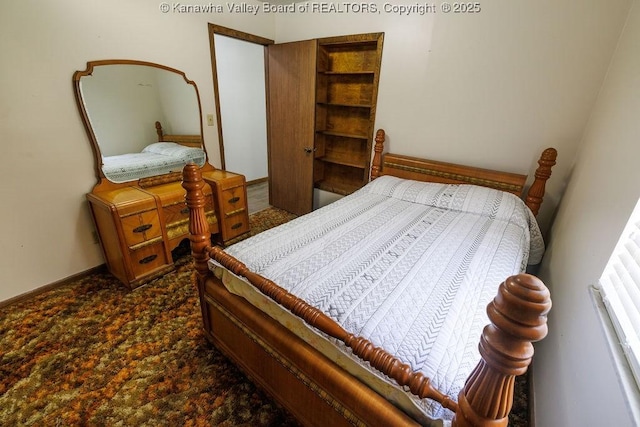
(258, 181)
(35, 292)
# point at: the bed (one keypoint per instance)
(169, 155)
(320, 340)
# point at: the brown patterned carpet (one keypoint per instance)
(92, 353)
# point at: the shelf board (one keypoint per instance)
(342, 104)
(347, 73)
(342, 134)
(343, 160)
(337, 187)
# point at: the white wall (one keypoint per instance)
(491, 89)
(575, 382)
(46, 166)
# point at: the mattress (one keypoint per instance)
(410, 266)
(155, 159)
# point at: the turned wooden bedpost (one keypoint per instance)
(376, 163)
(199, 234)
(159, 132)
(536, 191)
(518, 317)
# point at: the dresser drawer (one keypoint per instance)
(141, 227)
(179, 212)
(235, 225)
(233, 200)
(147, 258)
(175, 213)
(230, 194)
(173, 204)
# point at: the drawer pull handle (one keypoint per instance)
(236, 226)
(184, 211)
(234, 199)
(142, 228)
(148, 259)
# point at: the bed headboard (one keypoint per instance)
(187, 140)
(451, 173)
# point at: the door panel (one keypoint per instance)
(291, 99)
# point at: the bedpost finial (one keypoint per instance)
(159, 132)
(546, 162)
(518, 317)
(190, 173)
(521, 307)
(550, 154)
(543, 173)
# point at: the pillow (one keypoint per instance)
(185, 154)
(166, 148)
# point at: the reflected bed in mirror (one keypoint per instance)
(154, 159)
(143, 119)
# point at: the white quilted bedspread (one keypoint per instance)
(411, 266)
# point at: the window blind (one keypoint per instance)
(620, 286)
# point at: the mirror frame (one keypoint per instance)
(91, 65)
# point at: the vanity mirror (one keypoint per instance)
(144, 123)
(143, 119)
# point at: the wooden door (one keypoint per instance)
(291, 117)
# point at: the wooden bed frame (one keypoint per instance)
(317, 391)
(187, 140)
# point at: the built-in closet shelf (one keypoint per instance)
(343, 160)
(347, 73)
(342, 134)
(338, 187)
(343, 104)
(346, 92)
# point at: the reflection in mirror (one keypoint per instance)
(123, 101)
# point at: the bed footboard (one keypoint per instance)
(517, 314)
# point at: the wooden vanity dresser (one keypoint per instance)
(139, 226)
(141, 220)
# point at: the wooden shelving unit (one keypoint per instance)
(348, 70)
(322, 97)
